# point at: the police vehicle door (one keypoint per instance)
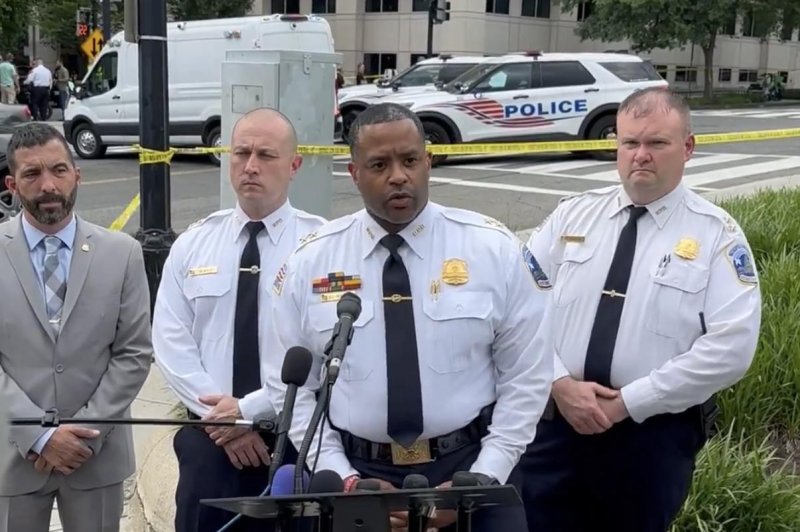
(568, 93)
(505, 88)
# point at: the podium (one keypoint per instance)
(368, 511)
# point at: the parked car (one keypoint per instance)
(8, 205)
(12, 116)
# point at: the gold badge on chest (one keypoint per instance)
(455, 272)
(687, 248)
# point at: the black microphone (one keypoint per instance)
(326, 481)
(462, 479)
(368, 484)
(419, 511)
(348, 309)
(294, 373)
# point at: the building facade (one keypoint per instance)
(393, 34)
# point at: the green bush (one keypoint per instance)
(770, 219)
(738, 489)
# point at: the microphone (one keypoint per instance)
(420, 511)
(348, 309)
(294, 373)
(283, 481)
(462, 479)
(326, 481)
(368, 484)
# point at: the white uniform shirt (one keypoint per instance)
(478, 342)
(40, 76)
(691, 257)
(196, 305)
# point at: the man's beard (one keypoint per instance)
(50, 216)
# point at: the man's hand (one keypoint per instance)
(248, 450)
(614, 409)
(224, 408)
(65, 450)
(578, 403)
(442, 518)
(39, 463)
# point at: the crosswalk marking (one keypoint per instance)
(791, 112)
(734, 172)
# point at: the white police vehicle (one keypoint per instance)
(532, 96)
(425, 75)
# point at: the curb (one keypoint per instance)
(754, 105)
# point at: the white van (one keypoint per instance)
(105, 110)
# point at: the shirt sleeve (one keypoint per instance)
(286, 320)
(523, 358)
(38, 445)
(176, 350)
(721, 356)
(540, 243)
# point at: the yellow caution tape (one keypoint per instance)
(147, 156)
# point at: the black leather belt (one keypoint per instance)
(423, 450)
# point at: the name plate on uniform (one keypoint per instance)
(418, 453)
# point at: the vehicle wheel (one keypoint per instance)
(604, 129)
(9, 205)
(214, 140)
(436, 134)
(347, 120)
(86, 143)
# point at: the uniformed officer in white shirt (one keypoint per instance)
(40, 80)
(450, 363)
(656, 307)
(211, 319)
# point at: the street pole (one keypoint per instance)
(431, 16)
(106, 20)
(155, 233)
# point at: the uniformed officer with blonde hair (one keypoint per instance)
(211, 323)
(451, 362)
(656, 307)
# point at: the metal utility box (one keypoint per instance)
(301, 86)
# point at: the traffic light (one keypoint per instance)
(442, 13)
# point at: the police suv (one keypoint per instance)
(424, 75)
(532, 96)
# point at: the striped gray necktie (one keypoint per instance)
(55, 288)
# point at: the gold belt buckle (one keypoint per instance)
(418, 453)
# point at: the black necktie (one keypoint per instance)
(609, 310)
(246, 364)
(402, 362)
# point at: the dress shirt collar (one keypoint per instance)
(414, 233)
(275, 222)
(35, 236)
(660, 209)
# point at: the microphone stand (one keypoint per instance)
(51, 419)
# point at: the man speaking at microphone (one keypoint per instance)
(449, 363)
(209, 332)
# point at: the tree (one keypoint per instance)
(207, 9)
(15, 16)
(650, 24)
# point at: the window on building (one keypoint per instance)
(564, 74)
(498, 7)
(323, 6)
(661, 70)
(724, 74)
(585, 9)
(755, 24)
(286, 6)
(536, 8)
(415, 58)
(784, 75)
(377, 64)
(420, 5)
(748, 76)
(378, 6)
(685, 74)
(729, 26)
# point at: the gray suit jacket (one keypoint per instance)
(93, 369)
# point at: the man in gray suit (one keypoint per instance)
(74, 339)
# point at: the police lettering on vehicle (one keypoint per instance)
(546, 108)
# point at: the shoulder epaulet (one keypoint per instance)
(475, 219)
(211, 216)
(308, 216)
(331, 228)
(699, 205)
(592, 192)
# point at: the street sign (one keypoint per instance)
(83, 17)
(92, 46)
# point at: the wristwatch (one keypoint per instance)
(485, 480)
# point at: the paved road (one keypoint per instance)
(519, 191)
